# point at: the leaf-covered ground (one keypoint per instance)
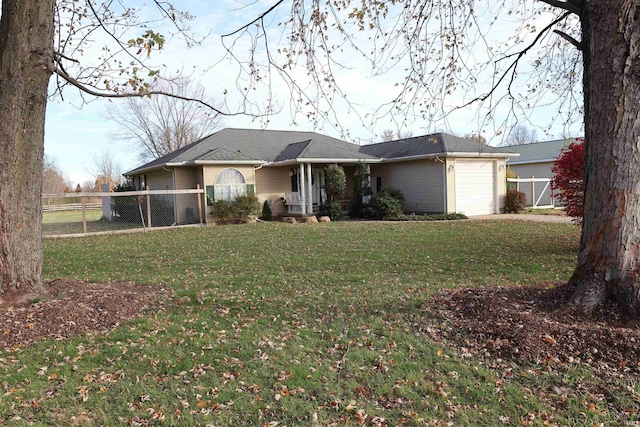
(340, 324)
(533, 325)
(528, 324)
(73, 308)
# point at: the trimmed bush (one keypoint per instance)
(388, 203)
(333, 210)
(267, 215)
(246, 206)
(515, 201)
(223, 211)
(240, 209)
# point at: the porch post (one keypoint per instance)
(367, 198)
(309, 189)
(303, 198)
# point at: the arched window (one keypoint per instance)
(229, 184)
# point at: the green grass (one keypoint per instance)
(543, 211)
(70, 216)
(70, 222)
(298, 325)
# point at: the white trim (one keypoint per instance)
(444, 187)
(327, 160)
(496, 190)
(529, 162)
(302, 189)
(528, 179)
(320, 161)
(496, 155)
(226, 162)
(309, 189)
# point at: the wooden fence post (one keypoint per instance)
(148, 208)
(84, 216)
(199, 205)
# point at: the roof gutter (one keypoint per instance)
(224, 162)
(528, 162)
(320, 161)
(439, 156)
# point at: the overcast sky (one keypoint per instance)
(76, 131)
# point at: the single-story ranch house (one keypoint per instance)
(437, 173)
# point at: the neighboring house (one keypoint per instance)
(437, 173)
(536, 160)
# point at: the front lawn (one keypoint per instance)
(285, 325)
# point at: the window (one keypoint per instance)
(229, 184)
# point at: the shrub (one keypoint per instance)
(246, 206)
(361, 189)
(388, 203)
(125, 209)
(267, 215)
(223, 211)
(515, 201)
(241, 208)
(335, 182)
(333, 210)
(568, 180)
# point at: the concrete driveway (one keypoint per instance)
(524, 217)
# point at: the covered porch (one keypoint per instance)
(307, 188)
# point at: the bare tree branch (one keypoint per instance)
(573, 6)
(160, 125)
(567, 37)
(258, 19)
(91, 91)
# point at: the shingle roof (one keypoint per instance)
(438, 143)
(266, 146)
(546, 151)
(261, 145)
(323, 148)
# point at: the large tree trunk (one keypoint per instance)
(609, 258)
(26, 38)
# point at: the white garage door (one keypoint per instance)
(475, 187)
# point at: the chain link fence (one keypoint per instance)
(90, 213)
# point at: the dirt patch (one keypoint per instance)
(74, 308)
(532, 324)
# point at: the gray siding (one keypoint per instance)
(421, 182)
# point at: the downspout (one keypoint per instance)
(255, 181)
(175, 202)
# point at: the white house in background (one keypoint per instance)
(536, 160)
(437, 173)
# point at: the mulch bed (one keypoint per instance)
(74, 308)
(532, 324)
